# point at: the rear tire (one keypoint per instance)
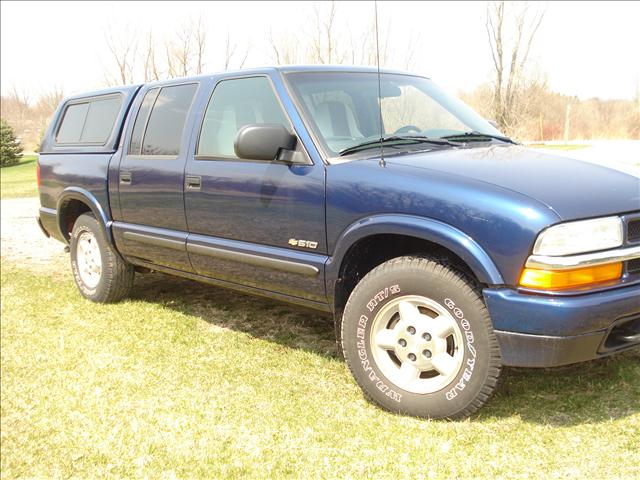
(99, 271)
(419, 341)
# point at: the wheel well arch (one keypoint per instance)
(68, 213)
(368, 252)
(72, 204)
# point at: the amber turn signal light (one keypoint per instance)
(563, 279)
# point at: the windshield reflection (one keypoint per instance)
(344, 109)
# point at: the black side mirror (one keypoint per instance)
(263, 141)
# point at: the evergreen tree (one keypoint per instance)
(10, 148)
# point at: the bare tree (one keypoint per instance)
(185, 51)
(179, 52)
(510, 57)
(149, 60)
(29, 117)
(284, 49)
(49, 101)
(200, 38)
(20, 97)
(409, 57)
(324, 48)
(123, 51)
(18, 104)
(317, 41)
(325, 45)
(276, 50)
(230, 51)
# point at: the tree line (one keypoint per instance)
(517, 97)
(29, 116)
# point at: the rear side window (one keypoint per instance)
(135, 147)
(89, 122)
(160, 121)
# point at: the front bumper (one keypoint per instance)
(546, 331)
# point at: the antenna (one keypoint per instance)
(382, 162)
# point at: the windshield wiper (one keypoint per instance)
(468, 136)
(395, 140)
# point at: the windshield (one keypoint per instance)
(343, 108)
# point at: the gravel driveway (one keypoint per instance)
(22, 241)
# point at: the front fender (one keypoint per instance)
(418, 227)
(86, 197)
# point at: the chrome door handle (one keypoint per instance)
(194, 182)
(126, 178)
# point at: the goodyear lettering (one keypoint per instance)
(471, 361)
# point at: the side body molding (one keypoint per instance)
(419, 227)
(85, 196)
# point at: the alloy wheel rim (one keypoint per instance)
(89, 259)
(417, 344)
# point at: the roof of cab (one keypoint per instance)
(126, 89)
(282, 69)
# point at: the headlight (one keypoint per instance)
(579, 237)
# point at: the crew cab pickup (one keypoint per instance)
(443, 249)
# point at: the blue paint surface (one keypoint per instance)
(485, 204)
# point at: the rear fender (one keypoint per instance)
(86, 197)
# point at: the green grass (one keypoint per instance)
(557, 146)
(186, 380)
(19, 180)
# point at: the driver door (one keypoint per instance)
(257, 223)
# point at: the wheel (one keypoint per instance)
(418, 339)
(99, 272)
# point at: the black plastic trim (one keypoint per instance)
(627, 342)
(256, 260)
(155, 241)
(318, 306)
(46, 234)
(627, 220)
(263, 141)
(524, 350)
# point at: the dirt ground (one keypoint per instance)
(22, 241)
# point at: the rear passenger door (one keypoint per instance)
(151, 224)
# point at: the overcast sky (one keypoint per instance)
(584, 48)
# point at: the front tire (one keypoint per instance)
(100, 273)
(419, 341)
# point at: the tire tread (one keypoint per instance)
(459, 280)
(119, 274)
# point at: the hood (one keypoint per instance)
(572, 188)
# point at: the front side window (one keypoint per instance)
(234, 104)
(89, 122)
(344, 108)
(160, 121)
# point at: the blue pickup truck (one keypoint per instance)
(443, 249)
